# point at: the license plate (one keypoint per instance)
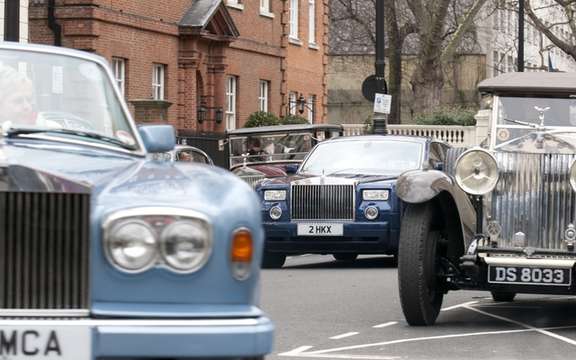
(45, 343)
(320, 229)
(522, 275)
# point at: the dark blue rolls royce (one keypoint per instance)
(342, 200)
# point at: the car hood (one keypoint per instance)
(107, 175)
(347, 179)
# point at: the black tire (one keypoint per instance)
(503, 296)
(348, 257)
(273, 261)
(421, 293)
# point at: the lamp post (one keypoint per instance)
(521, 35)
(379, 120)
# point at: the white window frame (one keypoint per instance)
(292, 102)
(294, 19)
(119, 68)
(311, 108)
(264, 88)
(312, 22)
(158, 81)
(231, 98)
(265, 7)
(236, 4)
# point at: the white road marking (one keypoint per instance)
(459, 306)
(342, 336)
(345, 356)
(507, 306)
(438, 337)
(297, 351)
(539, 330)
(385, 324)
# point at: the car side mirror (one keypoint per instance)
(291, 169)
(438, 166)
(158, 138)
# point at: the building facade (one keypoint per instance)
(498, 38)
(14, 20)
(202, 65)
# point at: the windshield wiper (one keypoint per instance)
(15, 132)
(524, 123)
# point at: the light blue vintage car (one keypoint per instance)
(105, 253)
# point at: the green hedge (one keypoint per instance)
(448, 116)
(261, 118)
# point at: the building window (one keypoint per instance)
(231, 90)
(263, 96)
(511, 67)
(119, 67)
(292, 102)
(264, 6)
(294, 19)
(158, 80)
(311, 109)
(312, 22)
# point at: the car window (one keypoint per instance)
(192, 156)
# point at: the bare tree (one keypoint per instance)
(433, 30)
(560, 32)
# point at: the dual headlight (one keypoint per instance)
(137, 240)
(476, 172)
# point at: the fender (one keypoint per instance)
(419, 186)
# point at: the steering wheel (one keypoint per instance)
(65, 120)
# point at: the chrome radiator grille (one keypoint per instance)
(44, 244)
(252, 180)
(322, 202)
(534, 196)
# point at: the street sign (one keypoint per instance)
(382, 103)
(369, 88)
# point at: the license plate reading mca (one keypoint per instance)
(529, 275)
(45, 342)
(320, 229)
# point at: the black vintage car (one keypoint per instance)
(271, 151)
(502, 219)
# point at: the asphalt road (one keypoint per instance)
(329, 310)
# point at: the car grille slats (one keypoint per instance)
(322, 202)
(534, 196)
(44, 248)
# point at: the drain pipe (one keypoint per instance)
(52, 24)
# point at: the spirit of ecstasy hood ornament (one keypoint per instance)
(541, 111)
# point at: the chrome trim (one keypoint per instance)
(534, 196)
(88, 57)
(520, 261)
(132, 323)
(43, 313)
(323, 202)
(153, 211)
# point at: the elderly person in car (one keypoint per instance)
(16, 98)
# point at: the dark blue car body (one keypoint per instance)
(310, 197)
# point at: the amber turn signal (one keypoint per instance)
(242, 247)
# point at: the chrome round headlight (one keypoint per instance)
(573, 175)
(275, 212)
(476, 172)
(131, 246)
(186, 245)
(371, 212)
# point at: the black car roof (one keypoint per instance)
(531, 83)
(283, 128)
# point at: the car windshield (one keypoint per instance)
(520, 116)
(363, 157)
(62, 96)
(270, 147)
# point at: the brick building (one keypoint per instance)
(202, 65)
(14, 20)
